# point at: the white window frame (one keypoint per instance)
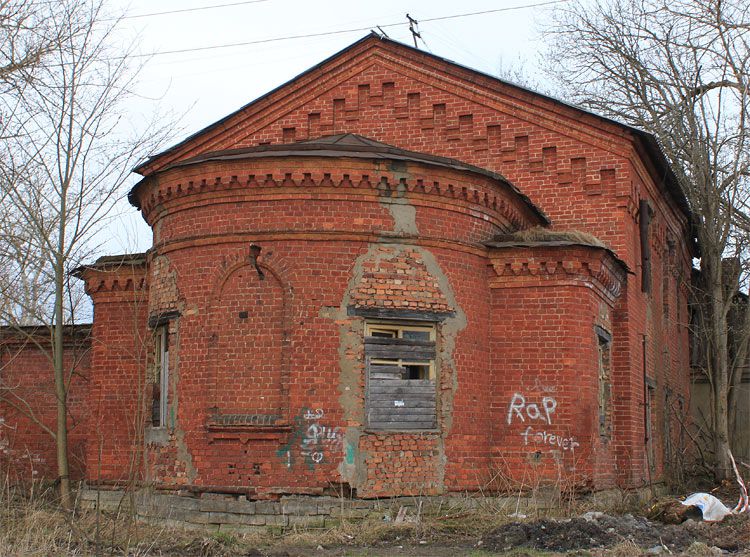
(398, 330)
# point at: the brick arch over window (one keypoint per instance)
(249, 347)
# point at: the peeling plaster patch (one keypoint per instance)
(404, 214)
(353, 467)
(167, 297)
(351, 332)
(351, 380)
(181, 447)
(156, 436)
(449, 331)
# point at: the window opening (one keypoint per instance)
(650, 397)
(605, 386)
(160, 380)
(645, 215)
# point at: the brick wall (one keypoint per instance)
(267, 377)
(327, 249)
(27, 449)
(118, 387)
(582, 171)
(551, 302)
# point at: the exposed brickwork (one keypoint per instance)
(397, 279)
(402, 465)
(268, 387)
(164, 295)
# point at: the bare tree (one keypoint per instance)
(64, 166)
(26, 37)
(679, 69)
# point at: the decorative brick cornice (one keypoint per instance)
(514, 265)
(124, 282)
(159, 192)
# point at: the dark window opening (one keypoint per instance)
(645, 214)
(605, 383)
(650, 398)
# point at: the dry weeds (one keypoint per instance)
(31, 525)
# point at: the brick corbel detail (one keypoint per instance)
(534, 266)
(124, 284)
(480, 192)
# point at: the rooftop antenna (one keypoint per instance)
(382, 32)
(414, 28)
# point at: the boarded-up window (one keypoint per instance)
(400, 363)
(649, 417)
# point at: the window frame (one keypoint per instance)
(160, 377)
(414, 399)
(399, 329)
(604, 376)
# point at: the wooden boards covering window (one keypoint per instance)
(401, 393)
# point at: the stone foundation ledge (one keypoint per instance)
(216, 512)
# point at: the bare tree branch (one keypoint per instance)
(679, 69)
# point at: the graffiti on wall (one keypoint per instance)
(538, 415)
(311, 439)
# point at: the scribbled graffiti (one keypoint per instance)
(311, 439)
(313, 415)
(520, 409)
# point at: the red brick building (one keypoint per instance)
(400, 275)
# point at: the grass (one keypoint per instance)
(31, 524)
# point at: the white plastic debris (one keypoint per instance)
(712, 509)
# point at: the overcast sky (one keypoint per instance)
(205, 85)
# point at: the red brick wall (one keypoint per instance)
(27, 451)
(584, 172)
(545, 358)
(320, 256)
(118, 391)
(326, 228)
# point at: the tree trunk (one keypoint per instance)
(63, 471)
(63, 468)
(720, 379)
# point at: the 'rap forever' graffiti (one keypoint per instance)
(538, 412)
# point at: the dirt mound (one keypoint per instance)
(731, 534)
(644, 532)
(550, 535)
(597, 530)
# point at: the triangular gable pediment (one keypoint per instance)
(371, 78)
(396, 94)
